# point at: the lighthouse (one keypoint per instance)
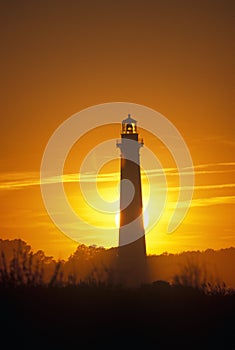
(132, 247)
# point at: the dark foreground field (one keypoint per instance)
(158, 316)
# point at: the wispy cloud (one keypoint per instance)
(200, 187)
(14, 181)
(214, 165)
(205, 202)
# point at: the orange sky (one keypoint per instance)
(59, 57)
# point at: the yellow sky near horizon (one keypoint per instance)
(211, 203)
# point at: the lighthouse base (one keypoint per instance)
(132, 263)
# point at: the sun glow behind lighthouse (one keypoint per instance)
(104, 180)
(145, 216)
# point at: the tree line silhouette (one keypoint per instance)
(20, 266)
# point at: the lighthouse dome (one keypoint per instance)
(129, 125)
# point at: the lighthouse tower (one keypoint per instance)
(132, 248)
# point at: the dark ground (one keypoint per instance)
(158, 316)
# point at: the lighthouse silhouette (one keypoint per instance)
(132, 247)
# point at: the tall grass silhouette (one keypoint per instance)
(194, 275)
